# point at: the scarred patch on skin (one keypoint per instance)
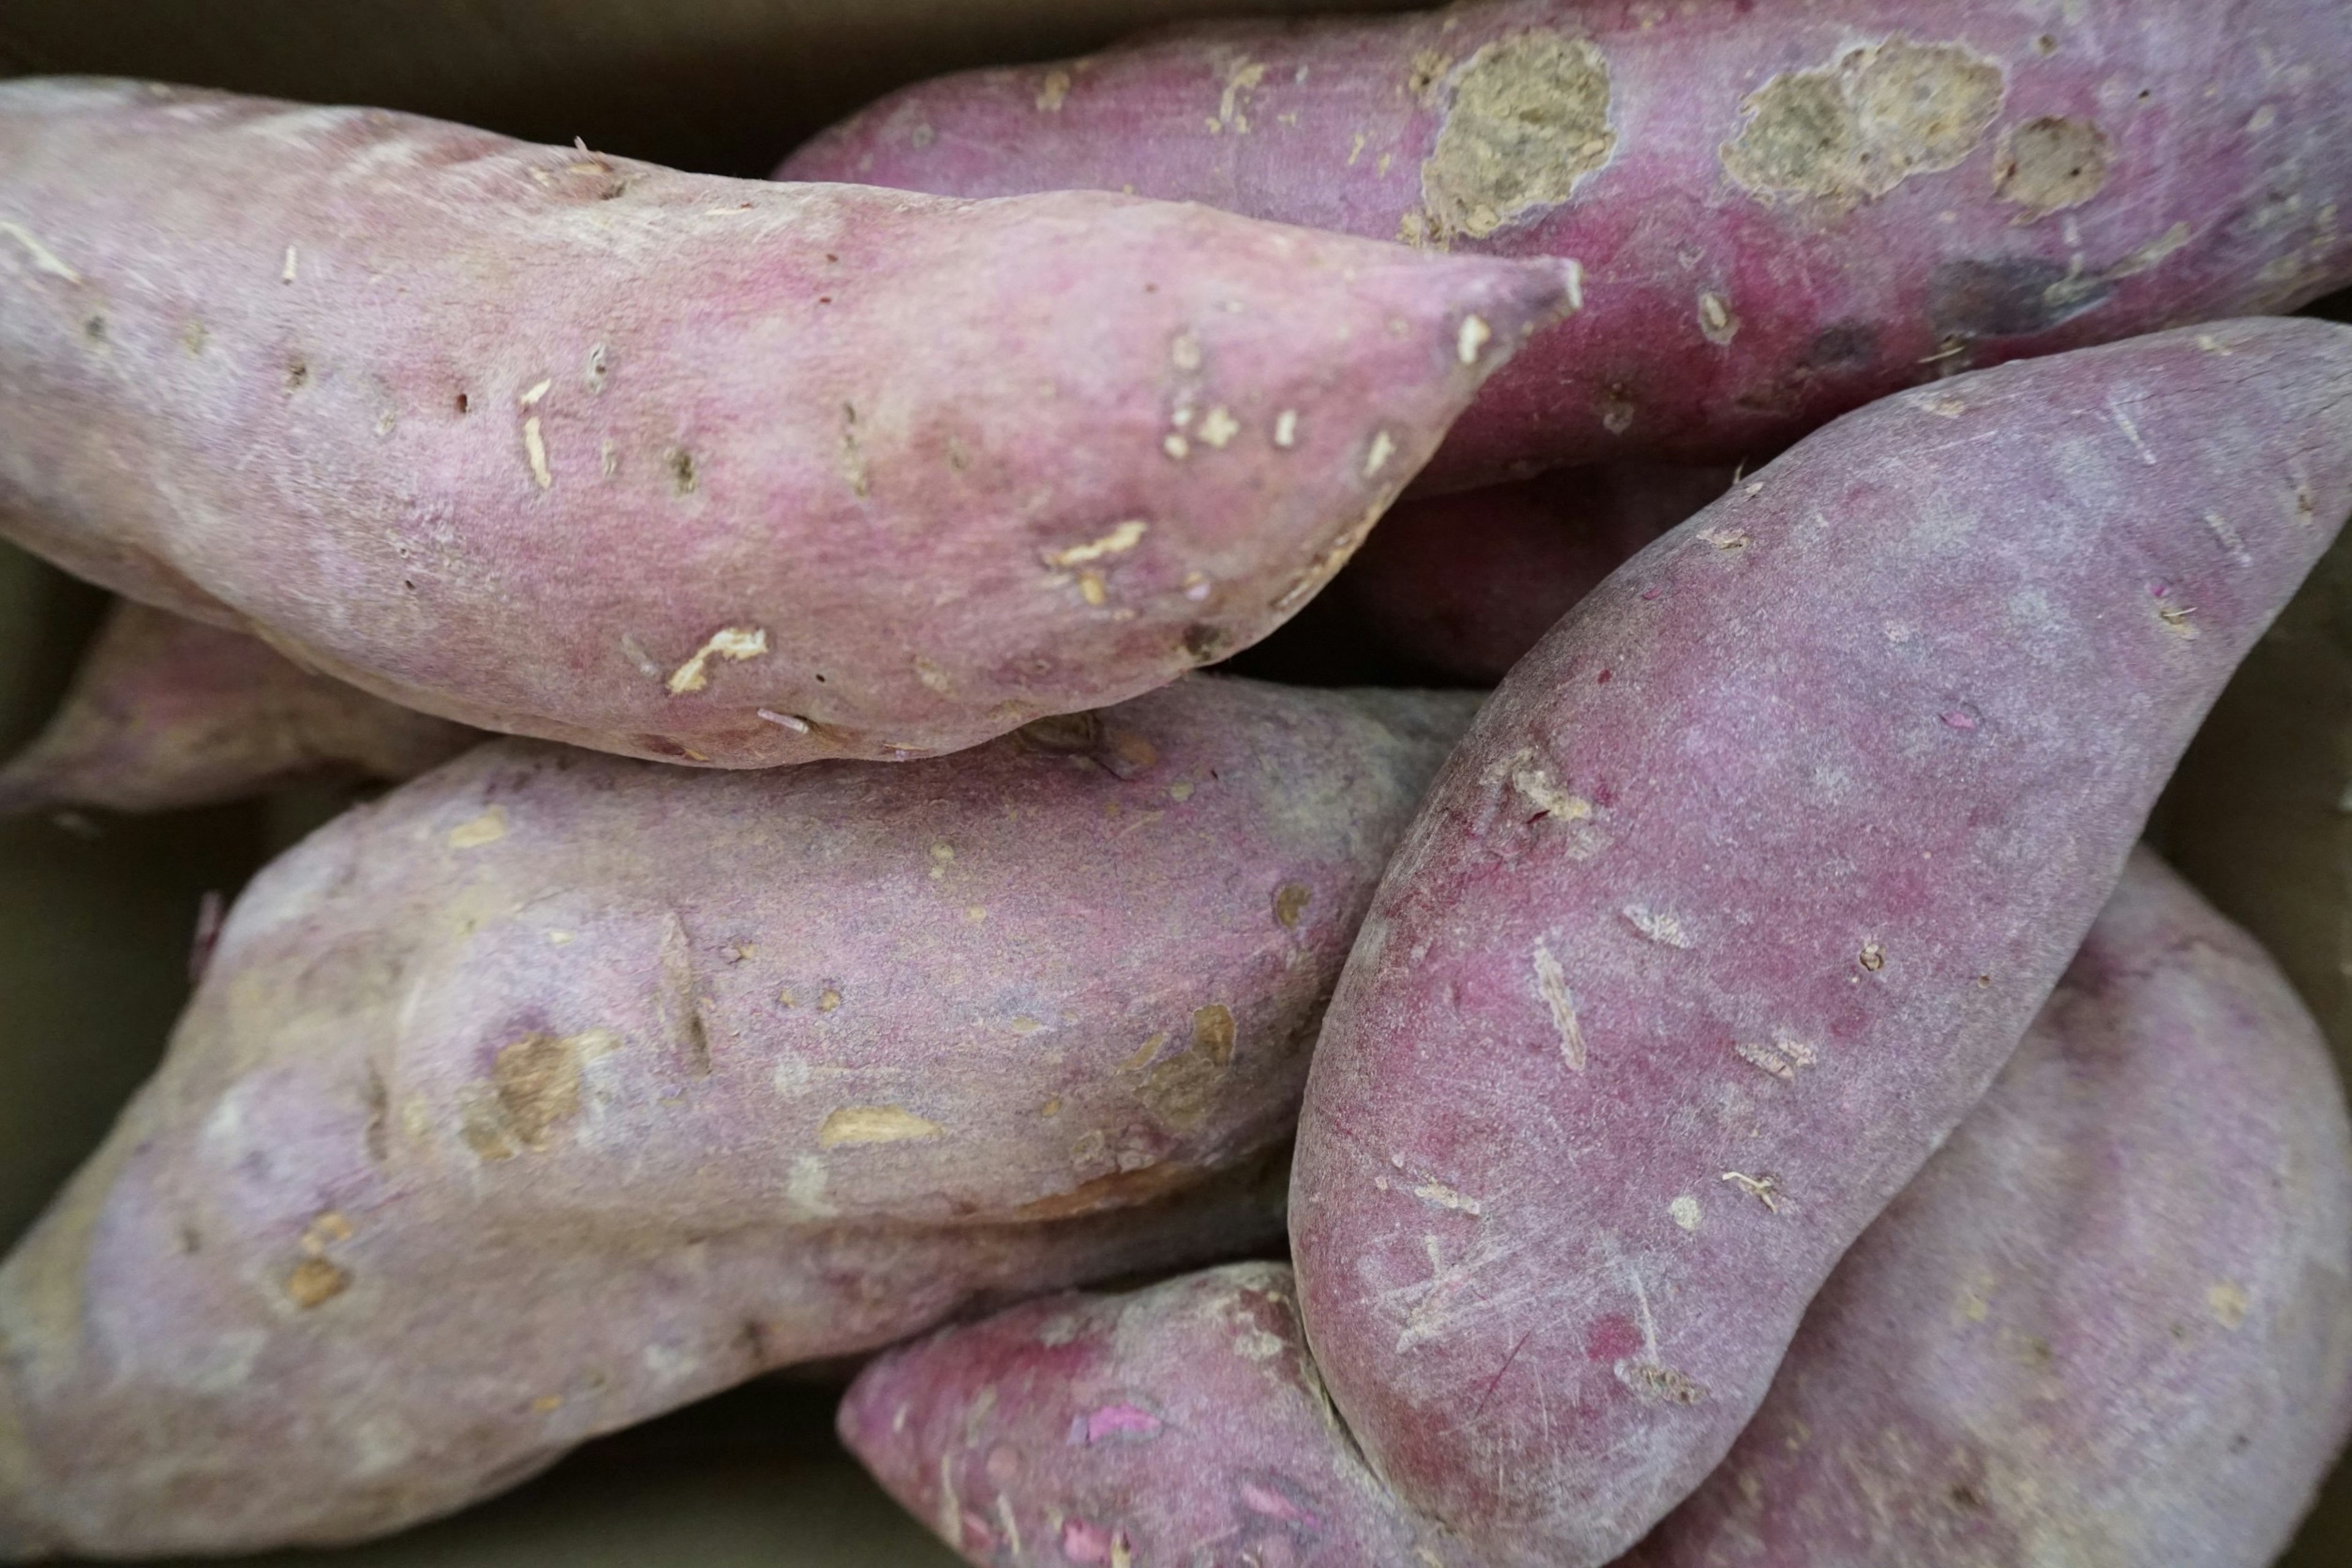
(1853, 130)
(2052, 162)
(533, 1088)
(1529, 119)
(850, 1126)
(1180, 1089)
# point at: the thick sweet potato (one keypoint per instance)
(554, 1089)
(168, 712)
(696, 469)
(2110, 1321)
(1779, 211)
(1742, 888)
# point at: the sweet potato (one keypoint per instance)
(1460, 586)
(1742, 888)
(554, 1089)
(704, 469)
(2110, 1321)
(1779, 211)
(167, 712)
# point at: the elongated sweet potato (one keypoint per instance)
(2110, 1321)
(1743, 887)
(704, 469)
(168, 712)
(554, 1089)
(1779, 211)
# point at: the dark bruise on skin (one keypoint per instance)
(2013, 297)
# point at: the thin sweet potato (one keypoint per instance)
(1742, 888)
(167, 712)
(1779, 211)
(554, 1089)
(2110, 1321)
(686, 468)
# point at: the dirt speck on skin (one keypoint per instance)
(314, 1281)
(1529, 119)
(1853, 130)
(2050, 163)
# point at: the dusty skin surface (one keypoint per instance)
(1744, 885)
(2020, 177)
(2110, 1322)
(700, 469)
(555, 1090)
(167, 712)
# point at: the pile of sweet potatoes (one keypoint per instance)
(1730, 1088)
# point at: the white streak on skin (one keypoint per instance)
(1382, 449)
(1286, 428)
(1574, 271)
(1118, 541)
(1760, 1188)
(2131, 433)
(1445, 1197)
(287, 274)
(1472, 337)
(1004, 1517)
(1551, 984)
(2230, 537)
(44, 258)
(793, 721)
(734, 643)
(530, 399)
(534, 447)
(1662, 929)
(949, 1522)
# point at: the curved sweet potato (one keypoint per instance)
(554, 1090)
(167, 712)
(695, 468)
(2110, 1321)
(1779, 211)
(1742, 888)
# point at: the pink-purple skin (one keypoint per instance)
(556, 1089)
(166, 712)
(2030, 178)
(1742, 888)
(697, 469)
(2110, 1321)
(1459, 587)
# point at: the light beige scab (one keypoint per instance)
(534, 451)
(44, 258)
(1121, 539)
(2050, 163)
(854, 1126)
(1853, 130)
(1715, 322)
(733, 644)
(1530, 121)
(1552, 987)
(1052, 91)
(488, 828)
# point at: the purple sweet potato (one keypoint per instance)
(556, 1089)
(1779, 211)
(2110, 1322)
(1742, 888)
(1461, 586)
(695, 468)
(167, 712)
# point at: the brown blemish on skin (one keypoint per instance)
(851, 1126)
(1290, 901)
(1180, 1089)
(192, 337)
(1529, 119)
(680, 463)
(537, 1079)
(1120, 1189)
(2050, 163)
(2229, 1303)
(1853, 130)
(314, 1281)
(1661, 1385)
